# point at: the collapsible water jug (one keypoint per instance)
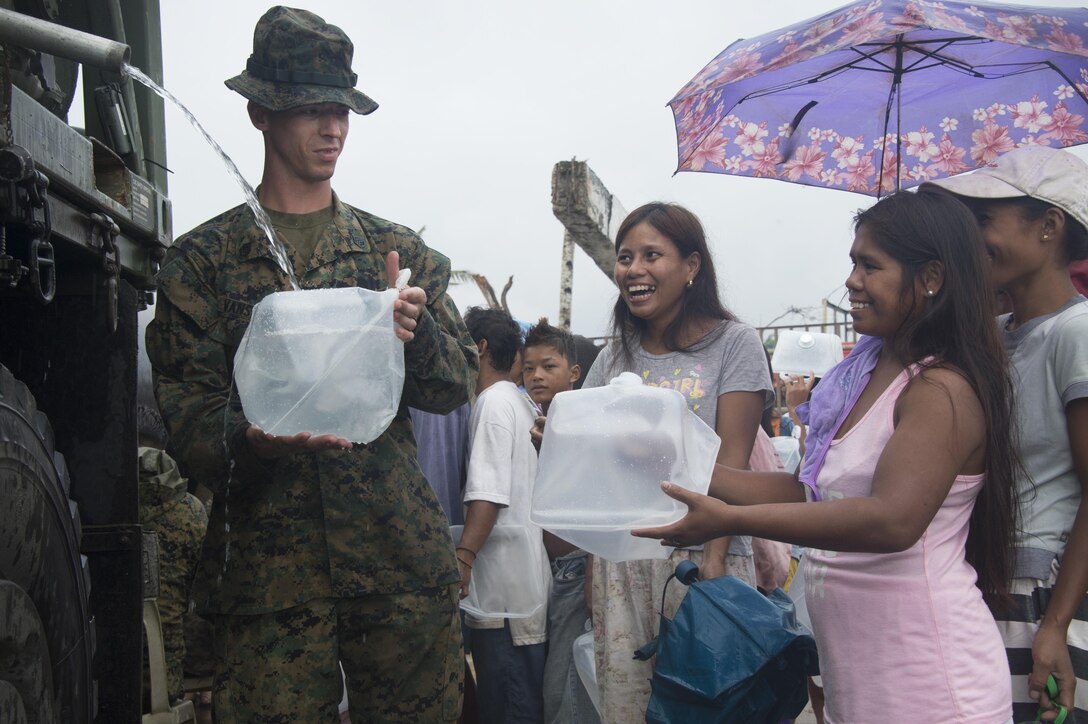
(585, 663)
(323, 361)
(510, 574)
(789, 452)
(798, 353)
(605, 452)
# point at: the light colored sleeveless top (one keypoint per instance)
(903, 636)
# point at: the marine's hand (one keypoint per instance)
(707, 518)
(1050, 654)
(536, 435)
(409, 305)
(268, 446)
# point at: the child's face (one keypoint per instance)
(546, 371)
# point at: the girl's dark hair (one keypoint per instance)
(1076, 236)
(502, 333)
(699, 302)
(957, 328)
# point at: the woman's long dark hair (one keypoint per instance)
(698, 302)
(957, 327)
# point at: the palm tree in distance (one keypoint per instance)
(461, 276)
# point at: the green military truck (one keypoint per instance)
(84, 221)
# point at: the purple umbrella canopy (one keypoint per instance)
(887, 94)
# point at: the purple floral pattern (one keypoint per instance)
(735, 116)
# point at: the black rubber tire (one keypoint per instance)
(11, 704)
(42, 570)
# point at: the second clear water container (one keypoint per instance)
(605, 452)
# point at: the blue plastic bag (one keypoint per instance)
(730, 654)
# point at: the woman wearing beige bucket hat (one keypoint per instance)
(1032, 207)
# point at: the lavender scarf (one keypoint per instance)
(831, 402)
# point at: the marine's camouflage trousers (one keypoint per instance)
(402, 658)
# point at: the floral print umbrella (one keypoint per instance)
(886, 94)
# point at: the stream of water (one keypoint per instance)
(279, 253)
(276, 246)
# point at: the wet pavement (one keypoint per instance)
(807, 717)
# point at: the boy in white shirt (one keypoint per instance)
(508, 653)
(550, 366)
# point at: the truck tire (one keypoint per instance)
(46, 629)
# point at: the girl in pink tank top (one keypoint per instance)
(910, 476)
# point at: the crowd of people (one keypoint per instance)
(938, 499)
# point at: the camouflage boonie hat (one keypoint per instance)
(299, 59)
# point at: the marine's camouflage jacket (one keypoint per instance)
(336, 523)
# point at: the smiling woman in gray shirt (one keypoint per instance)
(673, 331)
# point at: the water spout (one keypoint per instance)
(65, 42)
(279, 253)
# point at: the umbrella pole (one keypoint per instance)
(898, 116)
(893, 96)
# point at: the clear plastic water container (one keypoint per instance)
(323, 361)
(585, 664)
(797, 353)
(511, 577)
(605, 452)
(789, 452)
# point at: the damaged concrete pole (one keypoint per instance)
(590, 215)
(566, 281)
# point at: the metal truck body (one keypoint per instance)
(84, 222)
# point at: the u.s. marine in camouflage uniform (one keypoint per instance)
(179, 520)
(317, 551)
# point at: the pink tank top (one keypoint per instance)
(903, 636)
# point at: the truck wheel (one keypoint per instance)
(46, 630)
(11, 704)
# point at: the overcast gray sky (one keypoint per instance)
(480, 98)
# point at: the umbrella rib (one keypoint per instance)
(878, 48)
(934, 54)
(870, 56)
(783, 87)
(944, 42)
(1031, 68)
(974, 72)
(937, 56)
(1067, 79)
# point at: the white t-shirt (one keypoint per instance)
(1049, 358)
(501, 470)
